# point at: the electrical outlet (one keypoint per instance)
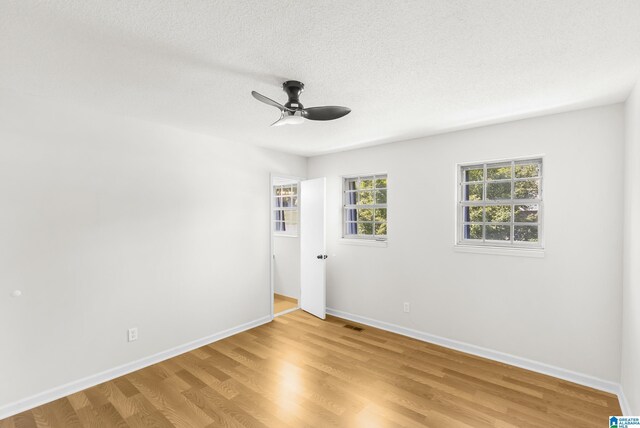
(132, 334)
(407, 307)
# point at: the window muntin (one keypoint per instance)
(500, 203)
(365, 207)
(285, 209)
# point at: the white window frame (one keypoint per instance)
(293, 208)
(346, 206)
(485, 245)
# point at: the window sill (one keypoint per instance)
(500, 251)
(282, 235)
(362, 242)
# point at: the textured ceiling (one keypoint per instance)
(406, 68)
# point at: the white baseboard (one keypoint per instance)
(571, 376)
(89, 381)
(624, 404)
(286, 311)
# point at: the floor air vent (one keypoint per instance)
(353, 327)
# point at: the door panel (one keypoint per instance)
(313, 247)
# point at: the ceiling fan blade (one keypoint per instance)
(325, 112)
(279, 122)
(269, 101)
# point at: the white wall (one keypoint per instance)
(562, 310)
(108, 223)
(631, 287)
(286, 264)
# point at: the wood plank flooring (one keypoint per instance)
(298, 371)
(283, 303)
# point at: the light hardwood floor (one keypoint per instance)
(298, 371)
(282, 303)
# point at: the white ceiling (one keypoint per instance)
(406, 68)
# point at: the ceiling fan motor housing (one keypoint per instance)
(293, 89)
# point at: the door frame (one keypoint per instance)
(298, 179)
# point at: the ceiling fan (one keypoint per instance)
(293, 112)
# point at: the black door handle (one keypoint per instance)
(321, 256)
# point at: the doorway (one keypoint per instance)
(285, 244)
(298, 245)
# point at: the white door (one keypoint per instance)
(312, 247)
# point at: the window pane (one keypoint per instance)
(472, 192)
(278, 191)
(291, 216)
(365, 215)
(381, 196)
(365, 197)
(381, 214)
(529, 189)
(498, 233)
(499, 173)
(366, 183)
(286, 190)
(292, 228)
(365, 228)
(473, 231)
(472, 214)
(351, 228)
(499, 191)
(525, 233)
(381, 229)
(351, 198)
(350, 214)
(279, 226)
(525, 213)
(381, 183)
(294, 189)
(527, 170)
(498, 213)
(350, 184)
(475, 174)
(286, 201)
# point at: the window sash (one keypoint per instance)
(490, 165)
(282, 225)
(350, 198)
(512, 202)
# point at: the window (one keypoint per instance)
(500, 204)
(365, 207)
(285, 209)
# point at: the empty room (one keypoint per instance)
(306, 213)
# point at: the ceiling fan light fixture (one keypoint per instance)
(290, 118)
